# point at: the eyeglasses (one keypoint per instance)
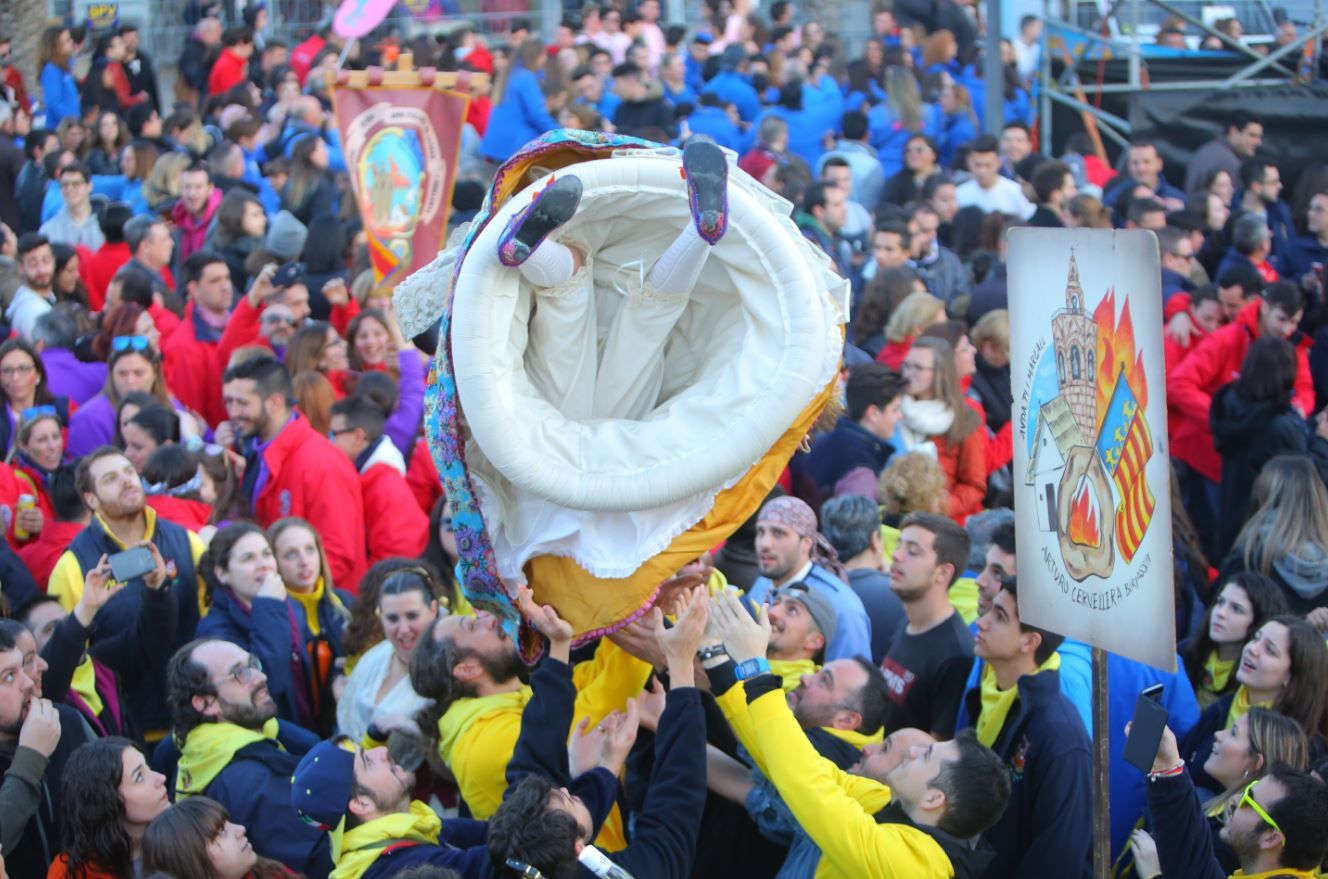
(72, 184)
(333, 434)
(129, 343)
(242, 675)
(278, 319)
(32, 413)
(1247, 800)
(21, 369)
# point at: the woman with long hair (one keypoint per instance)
(161, 189)
(59, 90)
(196, 838)
(892, 122)
(441, 553)
(238, 231)
(921, 162)
(110, 797)
(302, 564)
(24, 386)
(318, 347)
(314, 398)
(110, 136)
(1284, 666)
(1245, 601)
(914, 314)
(133, 366)
(73, 135)
(137, 160)
(147, 430)
(862, 91)
(248, 605)
(379, 695)
(1286, 536)
(38, 454)
(309, 191)
(1253, 422)
(936, 413)
(520, 113)
(67, 283)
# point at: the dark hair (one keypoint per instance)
(379, 389)
(30, 241)
(525, 829)
(364, 629)
(1268, 373)
(65, 499)
(1266, 602)
(976, 787)
(197, 262)
(112, 221)
(218, 555)
(1139, 207)
(814, 197)
(95, 838)
(1305, 697)
(36, 139)
(896, 227)
(1244, 276)
(176, 841)
(1050, 640)
(141, 399)
(1302, 814)
(1285, 295)
(933, 183)
(325, 247)
(159, 422)
(353, 329)
(855, 125)
(171, 465)
(848, 522)
(363, 414)
(985, 143)
(185, 679)
(872, 384)
(42, 395)
(1252, 171)
(268, 375)
(1048, 178)
(437, 558)
(872, 698)
(1003, 537)
(83, 472)
(949, 541)
(77, 168)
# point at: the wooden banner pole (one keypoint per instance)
(1101, 768)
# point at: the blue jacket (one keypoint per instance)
(520, 118)
(848, 446)
(684, 95)
(461, 847)
(255, 788)
(733, 88)
(1047, 829)
(955, 130)
(1076, 680)
(852, 630)
(60, 93)
(715, 122)
(271, 630)
(1304, 253)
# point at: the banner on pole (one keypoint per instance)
(401, 145)
(1091, 467)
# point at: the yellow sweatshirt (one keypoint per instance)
(477, 736)
(836, 809)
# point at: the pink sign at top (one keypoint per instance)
(355, 18)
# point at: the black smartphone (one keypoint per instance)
(1150, 719)
(133, 562)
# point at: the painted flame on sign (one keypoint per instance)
(1084, 528)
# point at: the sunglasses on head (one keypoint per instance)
(129, 343)
(32, 413)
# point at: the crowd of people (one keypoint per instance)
(198, 365)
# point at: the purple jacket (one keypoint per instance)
(91, 426)
(68, 376)
(404, 423)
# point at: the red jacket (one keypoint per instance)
(965, 467)
(41, 554)
(1214, 362)
(893, 354)
(422, 477)
(310, 478)
(184, 512)
(165, 320)
(101, 268)
(395, 524)
(228, 71)
(302, 56)
(192, 371)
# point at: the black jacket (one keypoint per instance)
(1184, 840)
(1047, 828)
(1198, 743)
(633, 117)
(991, 388)
(1247, 436)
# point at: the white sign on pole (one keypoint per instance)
(1091, 466)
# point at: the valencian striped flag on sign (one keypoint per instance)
(1125, 446)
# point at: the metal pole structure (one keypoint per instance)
(1317, 52)
(1044, 63)
(551, 13)
(1135, 60)
(1101, 768)
(992, 74)
(675, 12)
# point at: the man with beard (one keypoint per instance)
(293, 470)
(469, 667)
(801, 623)
(36, 262)
(1276, 827)
(233, 749)
(121, 519)
(789, 549)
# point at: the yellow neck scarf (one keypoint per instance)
(84, 683)
(1216, 672)
(208, 749)
(1242, 704)
(1279, 872)
(463, 712)
(790, 671)
(996, 703)
(309, 602)
(354, 851)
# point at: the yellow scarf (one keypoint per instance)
(1217, 672)
(1242, 704)
(84, 683)
(996, 703)
(790, 671)
(463, 712)
(1279, 872)
(208, 749)
(355, 851)
(855, 738)
(309, 602)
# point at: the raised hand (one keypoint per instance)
(650, 704)
(621, 728)
(547, 622)
(585, 747)
(161, 571)
(744, 638)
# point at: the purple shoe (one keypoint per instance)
(706, 171)
(554, 205)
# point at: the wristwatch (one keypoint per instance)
(705, 654)
(750, 668)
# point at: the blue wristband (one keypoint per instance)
(750, 668)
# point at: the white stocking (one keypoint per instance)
(549, 265)
(675, 273)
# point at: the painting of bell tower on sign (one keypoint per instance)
(1091, 469)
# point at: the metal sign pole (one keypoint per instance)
(1101, 768)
